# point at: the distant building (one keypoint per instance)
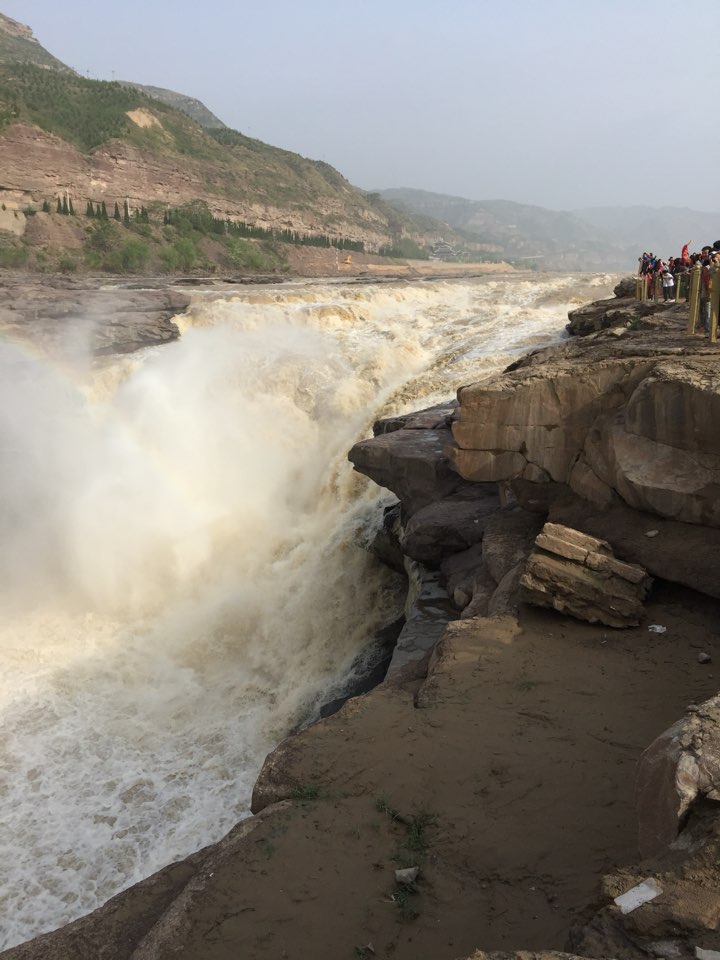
(442, 250)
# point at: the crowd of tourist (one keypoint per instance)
(672, 275)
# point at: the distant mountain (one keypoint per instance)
(526, 235)
(18, 45)
(592, 238)
(189, 105)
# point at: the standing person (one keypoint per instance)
(668, 285)
(705, 289)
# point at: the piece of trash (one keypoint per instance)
(636, 896)
(704, 657)
(706, 954)
(409, 875)
(651, 533)
(657, 628)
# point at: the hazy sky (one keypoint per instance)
(563, 104)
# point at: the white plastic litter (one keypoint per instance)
(636, 896)
(656, 628)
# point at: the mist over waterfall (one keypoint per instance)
(183, 572)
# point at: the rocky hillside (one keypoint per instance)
(190, 105)
(65, 137)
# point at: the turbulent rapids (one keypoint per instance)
(182, 572)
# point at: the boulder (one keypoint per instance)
(625, 288)
(537, 417)
(576, 574)
(681, 766)
(482, 592)
(448, 526)
(411, 463)
(661, 451)
(509, 537)
(625, 311)
(458, 572)
(621, 417)
(682, 921)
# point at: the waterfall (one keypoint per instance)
(182, 566)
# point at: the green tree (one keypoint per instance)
(45, 207)
(132, 256)
(126, 214)
(116, 214)
(104, 213)
(59, 206)
(64, 208)
(187, 253)
(89, 209)
(71, 208)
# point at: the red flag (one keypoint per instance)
(685, 256)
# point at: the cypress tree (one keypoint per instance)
(98, 211)
(104, 213)
(59, 206)
(46, 207)
(126, 214)
(89, 209)
(71, 207)
(65, 206)
(116, 215)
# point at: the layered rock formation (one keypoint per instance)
(577, 574)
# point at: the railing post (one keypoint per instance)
(643, 286)
(657, 289)
(678, 286)
(714, 302)
(694, 298)
(638, 288)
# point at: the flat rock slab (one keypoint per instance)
(66, 317)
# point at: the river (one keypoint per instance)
(182, 567)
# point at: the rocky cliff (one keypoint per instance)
(484, 794)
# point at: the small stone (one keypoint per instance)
(704, 657)
(408, 875)
(651, 533)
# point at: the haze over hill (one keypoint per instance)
(591, 238)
